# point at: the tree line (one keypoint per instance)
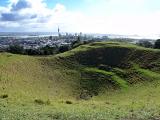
(51, 50)
(148, 44)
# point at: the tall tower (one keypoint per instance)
(58, 31)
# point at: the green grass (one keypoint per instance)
(138, 102)
(48, 88)
(148, 73)
(116, 79)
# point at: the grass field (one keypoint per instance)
(97, 81)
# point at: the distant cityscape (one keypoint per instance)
(38, 40)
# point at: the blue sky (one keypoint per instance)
(70, 4)
(90, 16)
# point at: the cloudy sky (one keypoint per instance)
(88, 16)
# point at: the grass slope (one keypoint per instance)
(103, 80)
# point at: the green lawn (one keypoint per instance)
(51, 88)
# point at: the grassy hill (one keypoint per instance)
(103, 80)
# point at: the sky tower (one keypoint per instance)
(58, 31)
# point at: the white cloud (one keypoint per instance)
(104, 16)
(38, 17)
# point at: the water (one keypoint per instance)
(43, 34)
(27, 34)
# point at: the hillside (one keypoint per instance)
(114, 80)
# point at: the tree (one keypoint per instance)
(16, 49)
(47, 50)
(145, 43)
(157, 44)
(79, 38)
(76, 43)
(32, 52)
(64, 48)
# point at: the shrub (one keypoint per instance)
(68, 102)
(157, 44)
(4, 96)
(39, 101)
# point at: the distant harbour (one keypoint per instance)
(96, 35)
(27, 34)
